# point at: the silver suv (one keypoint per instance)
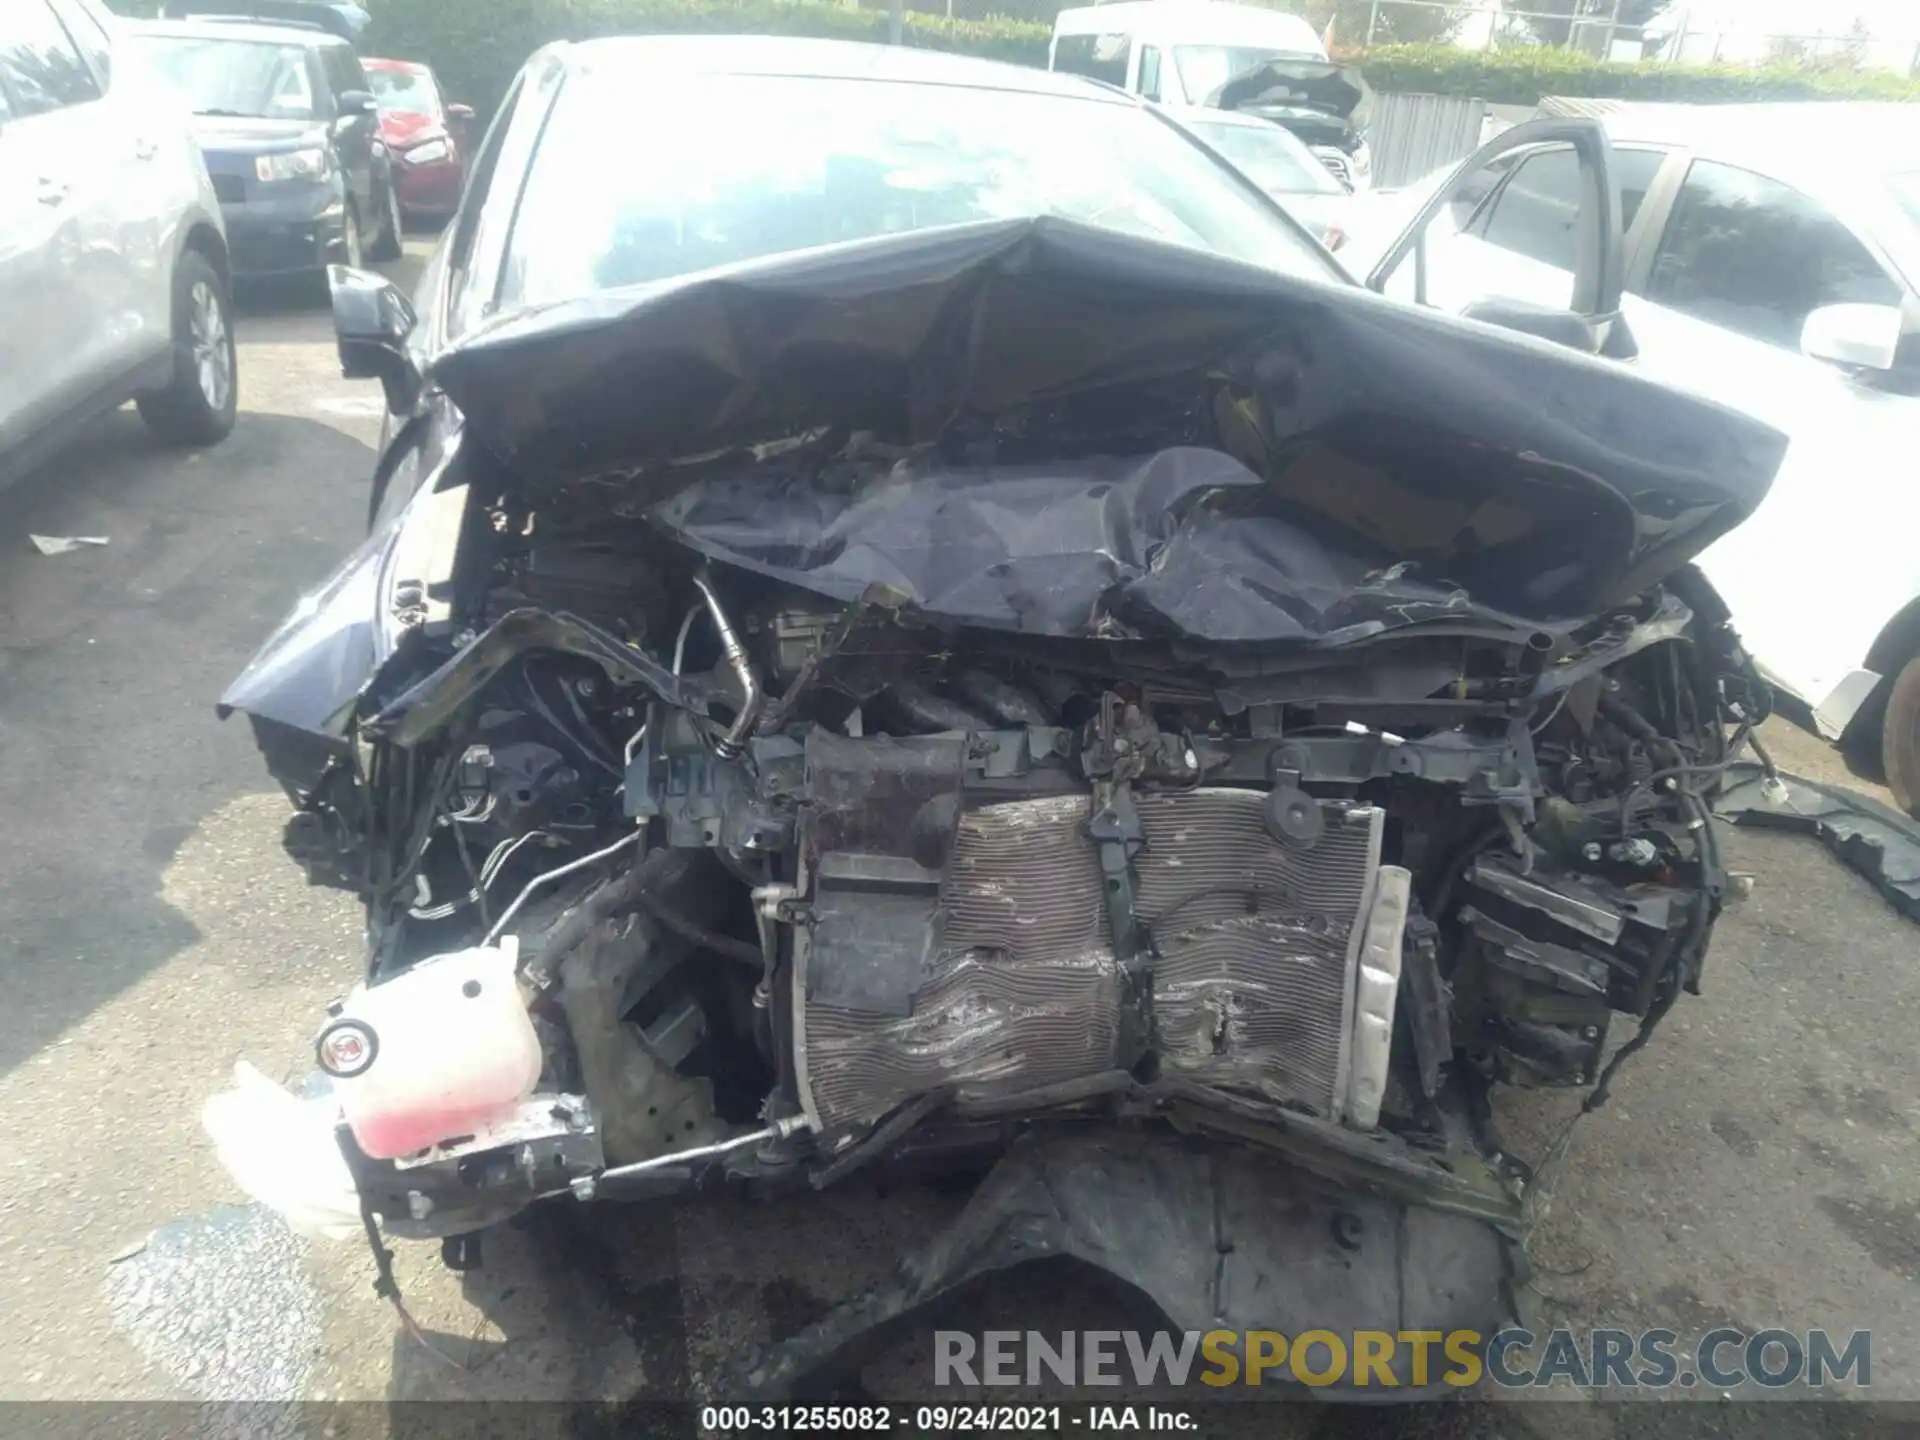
(113, 260)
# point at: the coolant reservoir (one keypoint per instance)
(434, 1053)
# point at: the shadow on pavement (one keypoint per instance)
(110, 662)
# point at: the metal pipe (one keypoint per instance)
(552, 875)
(734, 743)
(586, 1186)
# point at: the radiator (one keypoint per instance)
(1255, 948)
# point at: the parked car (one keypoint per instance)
(1779, 275)
(290, 129)
(928, 611)
(113, 264)
(425, 136)
(1280, 163)
(1192, 57)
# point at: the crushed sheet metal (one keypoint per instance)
(1539, 481)
(1881, 843)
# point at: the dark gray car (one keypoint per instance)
(291, 132)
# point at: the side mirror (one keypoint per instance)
(372, 323)
(462, 113)
(1864, 336)
(357, 102)
(1599, 268)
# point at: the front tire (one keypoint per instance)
(1900, 738)
(198, 406)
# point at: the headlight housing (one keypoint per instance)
(426, 154)
(315, 164)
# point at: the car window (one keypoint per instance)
(1150, 72)
(771, 164)
(1273, 158)
(1757, 257)
(90, 35)
(256, 79)
(1536, 213)
(42, 67)
(1098, 57)
(406, 92)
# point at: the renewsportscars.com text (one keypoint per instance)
(1647, 1359)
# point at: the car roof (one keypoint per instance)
(789, 56)
(375, 62)
(249, 30)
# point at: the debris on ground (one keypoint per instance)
(61, 544)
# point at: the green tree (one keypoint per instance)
(1392, 23)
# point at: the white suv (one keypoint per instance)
(113, 261)
(1776, 271)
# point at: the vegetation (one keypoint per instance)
(1523, 76)
(477, 45)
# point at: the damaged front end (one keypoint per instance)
(1020, 678)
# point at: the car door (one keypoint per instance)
(58, 227)
(1510, 234)
(1740, 262)
(139, 153)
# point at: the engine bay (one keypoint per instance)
(798, 887)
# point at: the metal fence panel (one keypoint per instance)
(1411, 135)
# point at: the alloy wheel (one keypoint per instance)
(212, 350)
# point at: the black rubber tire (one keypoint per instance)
(391, 242)
(182, 414)
(1900, 738)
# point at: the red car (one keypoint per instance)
(426, 137)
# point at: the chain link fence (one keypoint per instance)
(1622, 30)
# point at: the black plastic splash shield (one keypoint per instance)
(1217, 1237)
(1880, 843)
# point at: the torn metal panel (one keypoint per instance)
(1880, 843)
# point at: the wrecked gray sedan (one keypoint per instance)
(927, 625)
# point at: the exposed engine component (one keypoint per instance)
(996, 875)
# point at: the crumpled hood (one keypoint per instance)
(1515, 476)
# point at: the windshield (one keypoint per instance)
(1272, 158)
(410, 92)
(219, 76)
(1905, 189)
(1203, 69)
(767, 164)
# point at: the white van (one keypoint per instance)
(1180, 53)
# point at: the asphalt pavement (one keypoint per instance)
(1758, 1164)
